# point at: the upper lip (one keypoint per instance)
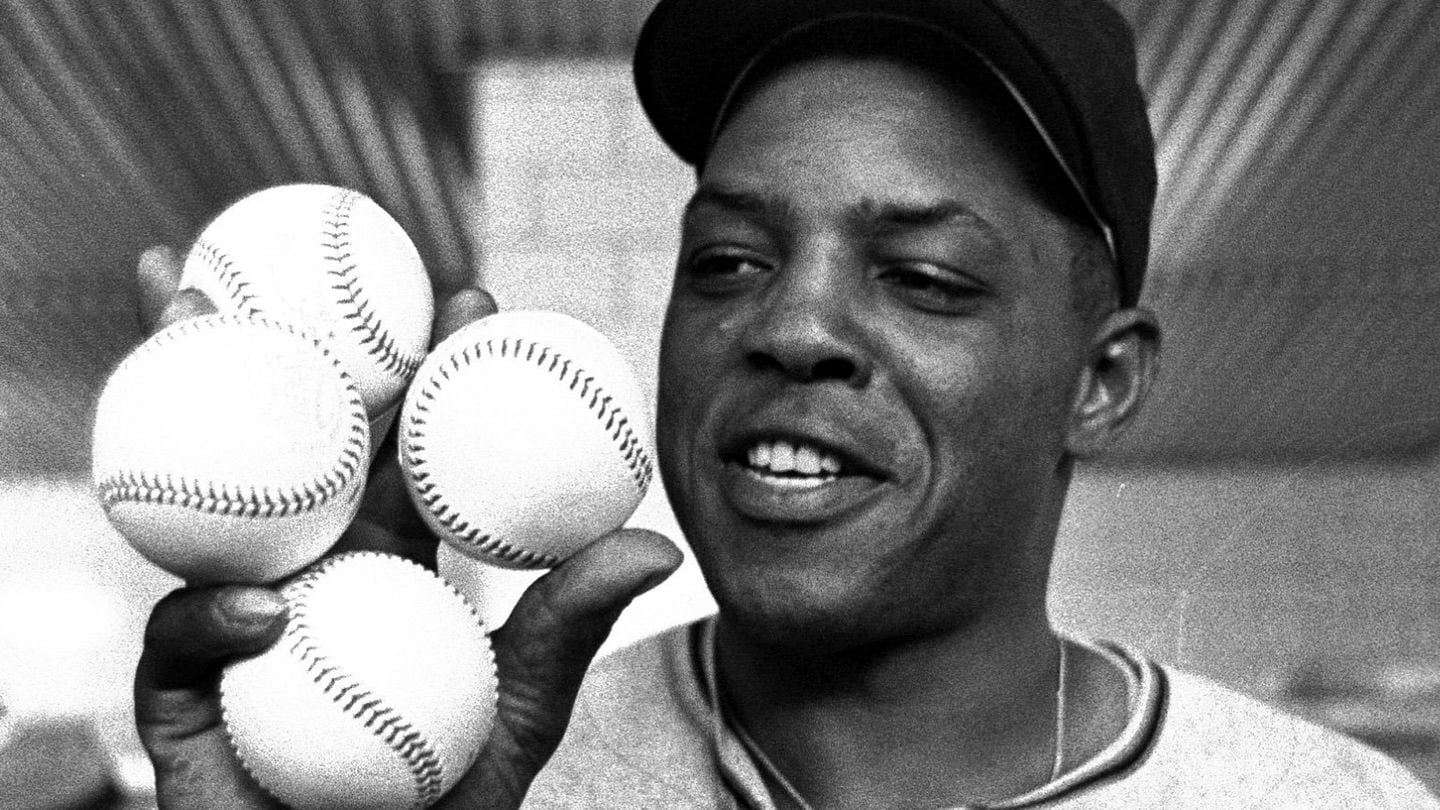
(831, 437)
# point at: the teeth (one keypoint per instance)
(781, 456)
(760, 455)
(807, 461)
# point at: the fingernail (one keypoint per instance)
(650, 582)
(162, 254)
(476, 297)
(195, 302)
(254, 607)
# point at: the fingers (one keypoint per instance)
(161, 302)
(194, 631)
(543, 652)
(578, 601)
(158, 274)
(192, 634)
(190, 303)
(387, 520)
(462, 308)
(556, 628)
(396, 529)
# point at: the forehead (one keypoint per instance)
(862, 152)
(886, 127)
(928, 82)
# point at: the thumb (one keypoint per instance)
(546, 646)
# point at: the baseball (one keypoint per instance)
(379, 694)
(230, 449)
(329, 260)
(493, 591)
(524, 437)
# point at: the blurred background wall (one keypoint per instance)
(1270, 523)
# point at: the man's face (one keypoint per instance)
(868, 361)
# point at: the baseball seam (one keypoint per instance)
(229, 276)
(133, 486)
(606, 411)
(345, 691)
(350, 294)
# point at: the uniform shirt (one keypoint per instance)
(644, 735)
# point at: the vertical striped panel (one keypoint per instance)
(129, 123)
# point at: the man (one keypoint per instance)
(904, 305)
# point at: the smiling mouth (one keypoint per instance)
(784, 478)
(792, 464)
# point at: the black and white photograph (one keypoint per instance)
(755, 404)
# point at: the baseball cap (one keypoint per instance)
(1069, 65)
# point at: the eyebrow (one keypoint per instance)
(742, 202)
(872, 214)
(867, 215)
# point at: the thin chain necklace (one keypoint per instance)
(794, 796)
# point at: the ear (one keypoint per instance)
(1123, 361)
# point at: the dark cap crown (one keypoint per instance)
(1070, 64)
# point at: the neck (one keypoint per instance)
(964, 716)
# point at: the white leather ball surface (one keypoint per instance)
(524, 437)
(380, 693)
(332, 261)
(230, 450)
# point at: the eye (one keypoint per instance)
(717, 272)
(932, 288)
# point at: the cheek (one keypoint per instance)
(690, 351)
(697, 341)
(985, 413)
(946, 380)
(673, 383)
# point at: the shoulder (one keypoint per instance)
(1215, 747)
(637, 736)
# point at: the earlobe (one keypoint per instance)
(1123, 362)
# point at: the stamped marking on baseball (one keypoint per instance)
(329, 260)
(524, 438)
(380, 692)
(230, 449)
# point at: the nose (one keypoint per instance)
(807, 328)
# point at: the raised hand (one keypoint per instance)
(542, 652)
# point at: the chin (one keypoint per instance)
(800, 614)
